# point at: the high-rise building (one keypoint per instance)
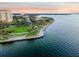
(5, 15)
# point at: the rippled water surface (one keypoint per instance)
(61, 39)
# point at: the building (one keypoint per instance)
(5, 15)
(27, 18)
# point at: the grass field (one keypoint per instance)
(21, 30)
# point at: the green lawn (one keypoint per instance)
(19, 29)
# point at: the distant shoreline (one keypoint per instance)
(46, 13)
(20, 38)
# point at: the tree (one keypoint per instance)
(4, 33)
(32, 18)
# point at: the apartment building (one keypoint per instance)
(5, 15)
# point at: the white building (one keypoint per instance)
(5, 15)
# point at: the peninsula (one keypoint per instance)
(23, 27)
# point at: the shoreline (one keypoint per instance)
(20, 38)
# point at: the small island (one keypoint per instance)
(23, 27)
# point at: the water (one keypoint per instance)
(61, 39)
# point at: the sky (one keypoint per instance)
(41, 7)
(38, 4)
